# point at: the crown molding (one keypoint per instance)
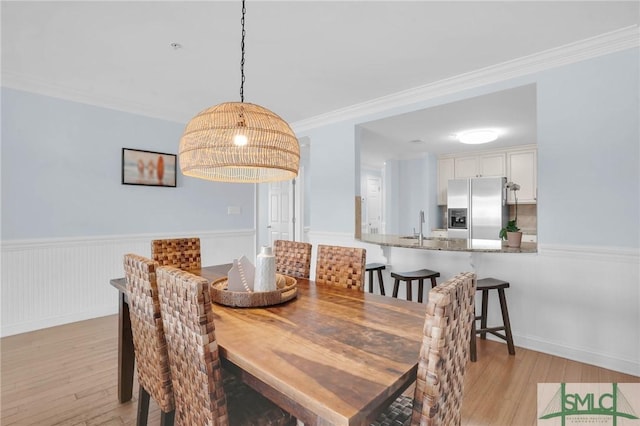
(17, 81)
(614, 41)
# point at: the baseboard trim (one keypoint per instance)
(49, 322)
(587, 356)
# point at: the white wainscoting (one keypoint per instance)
(577, 302)
(58, 281)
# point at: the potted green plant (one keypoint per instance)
(511, 232)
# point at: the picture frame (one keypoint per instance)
(148, 168)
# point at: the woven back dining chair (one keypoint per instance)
(443, 357)
(183, 253)
(293, 258)
(342, 266)
(149, 342)
(204, 394)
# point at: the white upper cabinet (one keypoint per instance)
(492, 165)
(481, 165)
(522, 169)
(518, 164)
(465, 167)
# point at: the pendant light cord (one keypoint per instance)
(242, 58)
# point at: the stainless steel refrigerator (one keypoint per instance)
(477, 208)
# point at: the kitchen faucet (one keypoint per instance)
(420, 222)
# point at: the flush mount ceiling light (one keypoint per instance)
(477, 136)
(239, 142)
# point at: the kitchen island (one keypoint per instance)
(450, 256)
(447, 244)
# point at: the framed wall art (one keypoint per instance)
(148, 168)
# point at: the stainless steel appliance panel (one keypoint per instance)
(458, 193)
(488, 207)
(476, 208)
(458, 201)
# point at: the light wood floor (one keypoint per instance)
(67, 376)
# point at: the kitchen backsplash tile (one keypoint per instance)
(527, 217)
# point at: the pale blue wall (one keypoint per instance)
(305, 165)
(412, 185)
(61, 164)
(413, 195)
(392, 196)
(61, 174)
(588, 154)
(333, 182)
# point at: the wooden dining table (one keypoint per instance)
(330, 356)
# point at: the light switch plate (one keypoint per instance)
(233, 210)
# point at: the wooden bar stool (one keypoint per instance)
(407, 277)
(484, 285)
(370, 267)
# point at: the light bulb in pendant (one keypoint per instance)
(240, 140)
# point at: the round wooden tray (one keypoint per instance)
(244, 299)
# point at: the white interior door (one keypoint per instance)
(280, 224)
(374, 205)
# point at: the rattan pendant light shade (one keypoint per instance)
(208, 149)
(239, 142)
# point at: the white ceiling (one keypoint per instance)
(512, 113)
(303, 58)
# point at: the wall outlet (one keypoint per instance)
(234, 210)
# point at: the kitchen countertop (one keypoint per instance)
(448, 244)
